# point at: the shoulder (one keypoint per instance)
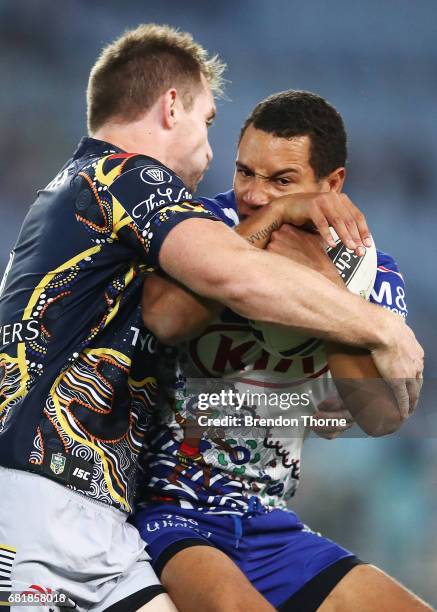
(148, 172)
(119, 169)
(223, 206)
(389, 287)
(386, 264)
(142, 185)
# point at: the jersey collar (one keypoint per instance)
(92, 146)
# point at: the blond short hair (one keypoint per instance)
(139, 66)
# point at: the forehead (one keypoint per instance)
(266, 153)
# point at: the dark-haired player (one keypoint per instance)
(77, 379)
(230, 491)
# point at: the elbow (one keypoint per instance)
(166, 330)
(380, 431)
(388, 424)
(168, 338)
(372, 404)
(385, 429)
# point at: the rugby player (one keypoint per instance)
(205, 488)
(77, 378)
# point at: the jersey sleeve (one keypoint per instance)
(223, 206)
(147, 200)
(389, 288)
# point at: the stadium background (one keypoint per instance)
(376, 61)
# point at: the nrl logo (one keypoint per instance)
(57, 463)
(155, 175)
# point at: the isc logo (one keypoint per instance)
(81, 474)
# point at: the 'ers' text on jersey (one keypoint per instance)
(77, 377)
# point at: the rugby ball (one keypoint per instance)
(358, 273)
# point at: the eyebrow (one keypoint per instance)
(272, 176)
(285, 171)
(212, 115)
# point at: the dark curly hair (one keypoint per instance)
(301, 113)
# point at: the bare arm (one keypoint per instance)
(213, 261)
(173, 312)
(365, 395)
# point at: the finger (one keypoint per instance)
(413, 387)
(359, 228)
(281, 247)
(363, 228)
(329, 404)
(342, 230)
(419, 381)
(274, 239)
(286, 236)
(353, 230)
(400, 391)
(287, 229)
(322, 226)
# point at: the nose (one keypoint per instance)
(209, 153)
(256, 194)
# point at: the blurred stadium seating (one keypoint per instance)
(377, 62)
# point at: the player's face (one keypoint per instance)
(268, 167)
(194, 151)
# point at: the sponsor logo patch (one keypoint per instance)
(57, 463)
(67, 469)
(155, 175)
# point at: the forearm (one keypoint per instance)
(267, 287)
(281, 291)
(258, 228)
(174, 313)
(364, 393)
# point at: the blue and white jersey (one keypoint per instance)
(389, 288)
(208, 469)
(224, 206)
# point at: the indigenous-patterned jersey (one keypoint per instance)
(77, 377)
(208, 469)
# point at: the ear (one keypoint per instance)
(169, 108)
(336, 179)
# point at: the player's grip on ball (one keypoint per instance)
(400, 363)
(324, 209)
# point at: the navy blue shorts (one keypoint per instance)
(275, 550)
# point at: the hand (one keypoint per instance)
(400, 363)
(305, 248)
(324, 209)
(332, 409)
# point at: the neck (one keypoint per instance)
(136, 137)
